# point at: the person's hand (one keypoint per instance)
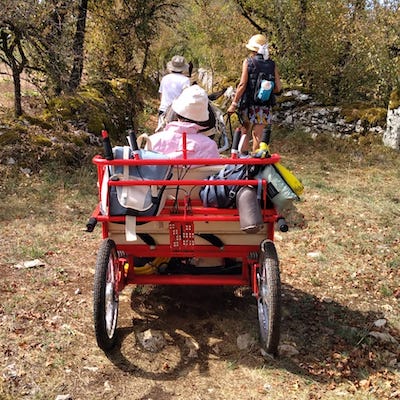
(231, 109)
(262, 151)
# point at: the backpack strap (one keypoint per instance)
(126, 154)
(130, 228)
(147, 142)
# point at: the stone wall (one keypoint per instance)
(296, 109)
(391, 137)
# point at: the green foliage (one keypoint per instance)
(41, 141)
(37, 121)
(374, 116)
(118, 52)
(394, 99)
(8, 136)
(369, 116)
(76, 109)
(120, 35)
(215, 35)
(105, 104)
(338, 50)
(342, 52)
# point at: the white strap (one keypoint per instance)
(125, 175)
(241, 141)
(146, 138)
(104, 191)
(126, 154)
(130, 228)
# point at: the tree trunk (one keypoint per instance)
(17, 92)
(78, 47)
(10, 45)
(53, 38)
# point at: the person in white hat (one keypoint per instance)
(255, 114)
(192, 111)
(192, 105)
(173, 83)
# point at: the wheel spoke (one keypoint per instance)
(105, 310)
(110, 309)
(269, 297)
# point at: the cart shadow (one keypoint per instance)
(203, 323)
(332, 339)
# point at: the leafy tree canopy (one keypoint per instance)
(342, 50)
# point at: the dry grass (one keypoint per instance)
(340, 273)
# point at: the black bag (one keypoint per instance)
(224, 196)
(258, 71)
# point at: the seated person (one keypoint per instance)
(191, 108)
(207, 126)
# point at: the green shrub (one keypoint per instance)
(394, 99)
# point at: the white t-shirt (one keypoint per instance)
(171, 86)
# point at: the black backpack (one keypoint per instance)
(259, 70)
(224, 196)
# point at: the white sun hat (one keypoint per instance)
(256, 41)
(192, 104)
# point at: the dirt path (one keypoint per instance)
(340, 325)
(7, 89)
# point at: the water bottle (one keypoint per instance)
(250, 215)
(265, 90)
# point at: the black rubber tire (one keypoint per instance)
(105, 295)
(269, 299)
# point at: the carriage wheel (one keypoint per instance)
(105, 295)
(269, 299)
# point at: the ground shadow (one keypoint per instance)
(321, 331)
(333, 340)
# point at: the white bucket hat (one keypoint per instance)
(192, 104)
(177, 64)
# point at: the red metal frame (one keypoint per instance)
(181, 225)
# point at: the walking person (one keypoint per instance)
(190, 69)
(192, 110)
(255, 113)
(172, 84)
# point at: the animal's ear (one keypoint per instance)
(216, 95)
